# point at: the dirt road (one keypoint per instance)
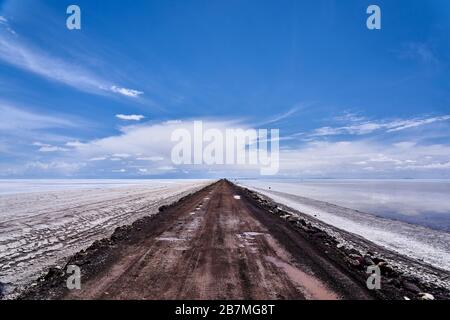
(216, 244)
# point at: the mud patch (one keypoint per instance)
(311, 287)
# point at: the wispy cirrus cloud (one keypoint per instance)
(153, 159)
(418, 51)
(286, 115)
(350, 117)
(368, 127)
(282, 116)
(126, 92)
(32, 59)
(20, 126)
(4, 23)
(44, 147)
(19, 119)
(130, 117)
(406, 124)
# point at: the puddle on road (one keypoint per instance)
(178, 243)
(169, 239)
(312, 287)
(248, 236)
(252, 234)
(247, 240)
(183, 233)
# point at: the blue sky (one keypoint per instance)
(349, 102)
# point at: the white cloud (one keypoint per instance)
(98, 159)
(341, 159)
(282, 116)
(126, 92)
(5, 23)
(372, 126)
(151, 140)
(405, 144)
(315, 158)
(131, 117)
(19, 119)
(429, 166)
(350, 116)
(32, 59)
(40, 144)
(74, 144)
(43, 147)
(173, 122)
(166, 168)
(121, 155)
(53, 167)
(406, 124)
(19, 128)
(52, 149)
(150, 158)
(148, 142)
(348, 159)
(53, 68)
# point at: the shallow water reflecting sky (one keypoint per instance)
(424, 202)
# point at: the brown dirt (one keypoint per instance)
(214, 244)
